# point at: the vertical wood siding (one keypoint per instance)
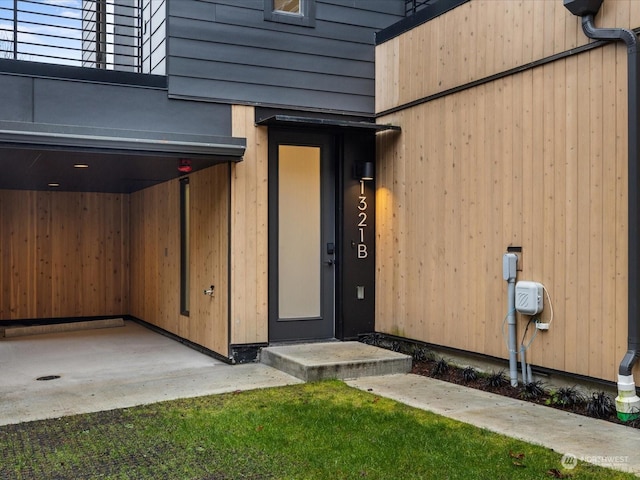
(482, 38)
(537, 159)
(209, 316)
(155, 258)
(249, 228)
(63, 254)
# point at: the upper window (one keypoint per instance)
(287, 6)
(295, 12)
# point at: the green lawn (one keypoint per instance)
(320, 430)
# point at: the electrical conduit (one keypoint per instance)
(509, 267)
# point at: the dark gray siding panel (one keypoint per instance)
(275, 96)
(261, 42)
(183, 67)
(63, 102)
(88, 104)
(379, 6)
(240, 55)
(15, 98)
(225, 50)
(336, 27)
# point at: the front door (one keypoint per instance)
(302, 244)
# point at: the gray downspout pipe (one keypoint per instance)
(509, 272)
(511, 322)
(627, 401)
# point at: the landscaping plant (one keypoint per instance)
(532, 390)
(600, 405)
(440, 367)
(497, 380)
(568, 397)
(469, 374)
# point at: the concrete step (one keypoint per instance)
(20, 331)
(341, 360)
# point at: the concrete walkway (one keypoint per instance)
(579, 438)
(132, 365)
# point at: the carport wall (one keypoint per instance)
(89, 254)
(228, 232)
(63, 254)
(514, 133)
(67, 254)
(73, 255)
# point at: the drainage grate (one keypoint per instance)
(48, 377)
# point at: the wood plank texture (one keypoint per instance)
(482, 38)
(155, 258)
(209, 265)
(536, 159)
(63, 254)
(249, 228)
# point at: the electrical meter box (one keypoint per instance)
(529, 297)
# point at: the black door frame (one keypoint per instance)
(322, 327)
(354, 272)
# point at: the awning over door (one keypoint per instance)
(282, 120)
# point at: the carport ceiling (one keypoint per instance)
(117, 172)
(36, 169)
(37, 156)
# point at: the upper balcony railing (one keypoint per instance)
(125, 35)
(416, 12)
(413, 6)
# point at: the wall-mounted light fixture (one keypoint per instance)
(363, 170)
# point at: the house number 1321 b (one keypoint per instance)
(362, 222)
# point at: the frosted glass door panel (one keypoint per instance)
(299, 220)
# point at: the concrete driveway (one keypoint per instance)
(132, 365)
(110, 368)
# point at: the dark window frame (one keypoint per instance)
(306, 18)
(184, 246)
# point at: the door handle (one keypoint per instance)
(330, 262)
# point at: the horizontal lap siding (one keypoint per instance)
(538, 160)
(227, 51)
(63, 254)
